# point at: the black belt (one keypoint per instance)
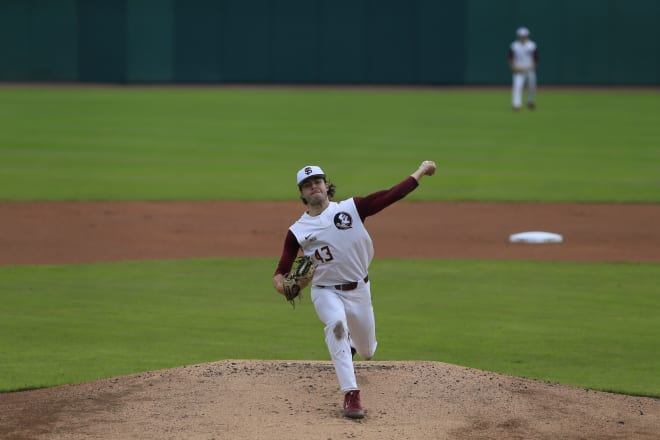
(347, 286)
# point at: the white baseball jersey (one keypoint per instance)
(338, 241)
(523, 54)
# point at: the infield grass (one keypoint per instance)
(589, 325)
(182, 143)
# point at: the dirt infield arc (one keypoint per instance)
(73, 232)
(259, 400)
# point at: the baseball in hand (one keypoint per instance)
(429, 167)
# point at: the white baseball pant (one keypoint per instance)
(349, 322)
(520, 80)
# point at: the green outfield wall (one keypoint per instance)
(435, 42)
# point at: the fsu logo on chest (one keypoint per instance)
(343, 220)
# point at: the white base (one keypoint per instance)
(536, 237)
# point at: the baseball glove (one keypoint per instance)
(298, 278)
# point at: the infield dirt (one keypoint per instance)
(252, 399)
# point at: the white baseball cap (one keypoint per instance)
(522, 32)
(309, 171)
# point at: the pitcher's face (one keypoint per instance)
(314, 190)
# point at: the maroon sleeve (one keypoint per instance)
(289, 253)
(376, 202)
(536, 56)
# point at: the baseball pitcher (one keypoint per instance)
(334, 235)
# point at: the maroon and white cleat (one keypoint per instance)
(352, 407)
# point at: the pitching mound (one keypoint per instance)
(300, 400)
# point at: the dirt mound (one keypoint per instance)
(238, 399)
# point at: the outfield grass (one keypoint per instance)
(155, 144)
(590, 325)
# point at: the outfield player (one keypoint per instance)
(523, 58)
(334, 234)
